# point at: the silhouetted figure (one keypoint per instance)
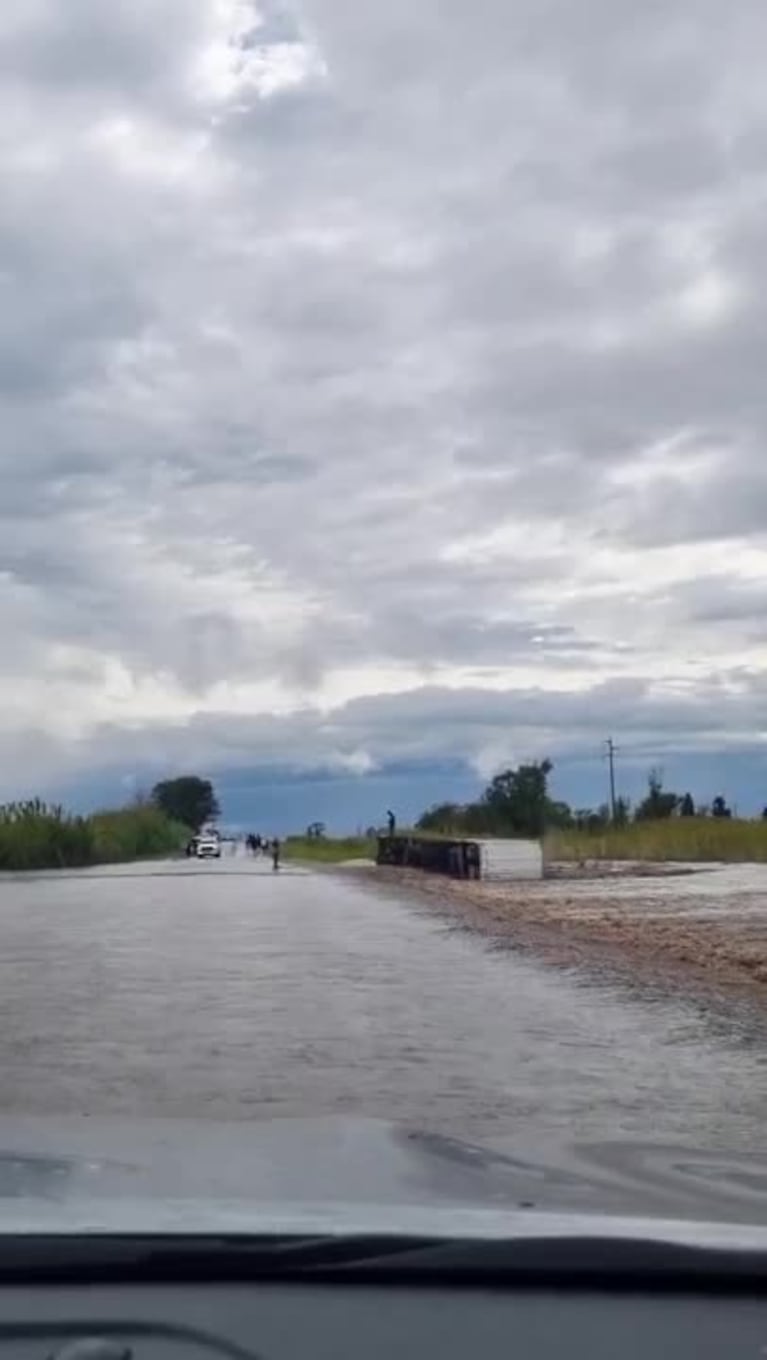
(275, 854)
(391, 822)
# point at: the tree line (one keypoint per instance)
(517, 802)
(39, 835)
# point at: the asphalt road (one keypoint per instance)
(223, 990)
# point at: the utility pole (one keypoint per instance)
(610, 756)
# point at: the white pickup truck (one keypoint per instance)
(205, 845)
(208, 847)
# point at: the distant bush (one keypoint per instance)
(140, 832)
(689, 839)
(38, 835)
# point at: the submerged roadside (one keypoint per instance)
(694, 926)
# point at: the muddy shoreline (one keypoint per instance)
(571, 920)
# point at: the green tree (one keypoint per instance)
(442, 818)
(658, 803)
(719, 807)
(517, 800)
(188, 799)
(687, 806)
(515, 803)
(558, 814)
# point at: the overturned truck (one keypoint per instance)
(499, 860)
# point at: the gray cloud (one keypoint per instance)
(345, 354)
(725, 715)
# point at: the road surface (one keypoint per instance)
(223, 990)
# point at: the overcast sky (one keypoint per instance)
(382, 384)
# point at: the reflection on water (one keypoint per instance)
(227, 991)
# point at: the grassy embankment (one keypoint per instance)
(326, 850)
(684, 839)
(35, 835)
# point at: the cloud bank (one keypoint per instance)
(381, 386)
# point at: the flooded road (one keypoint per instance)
(222, 990)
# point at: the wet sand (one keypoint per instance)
(698, 927)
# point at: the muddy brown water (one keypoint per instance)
(221, 990)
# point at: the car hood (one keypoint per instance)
(360, 1175)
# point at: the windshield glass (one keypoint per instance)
(382, 589)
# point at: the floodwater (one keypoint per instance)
(222, 990)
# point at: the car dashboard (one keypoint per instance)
(278, 1320)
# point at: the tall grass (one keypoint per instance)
(140, 832)
(326, 850)
(688, 839)
(38, 835)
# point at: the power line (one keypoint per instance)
(609, 755)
